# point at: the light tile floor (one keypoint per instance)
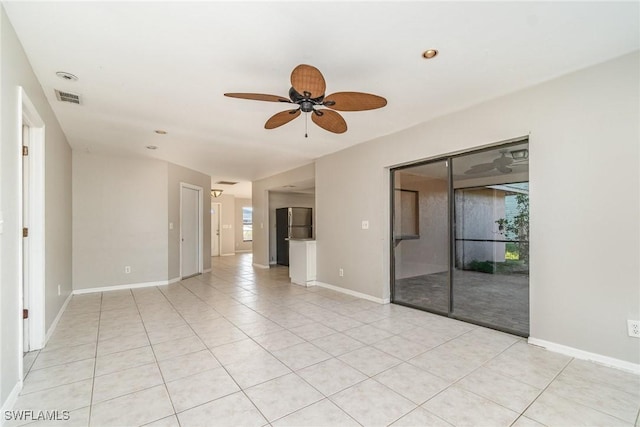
(244, 347)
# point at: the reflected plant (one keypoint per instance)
(518, 226)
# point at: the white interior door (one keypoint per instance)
(25, 240)
(190, 231)
(215, 229)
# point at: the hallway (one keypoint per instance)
(241, 346)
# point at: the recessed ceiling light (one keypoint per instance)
(66, 76)
(152, 147)
(160, 132)
(428, 54)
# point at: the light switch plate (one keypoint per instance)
(365, 225)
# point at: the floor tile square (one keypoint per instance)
(278, 340)
(301, 355)
(463, 408)
(229, 411)
(282, 396)
(187, 365)
(369, 360)
(200, 388)
(337, 344)
(323, 413)
(122, 360)
(331, 376)
(372, 404)
(127, 381)
(54, 376)
(134, 409)
(411, 382)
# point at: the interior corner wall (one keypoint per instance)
(15, 72)
(585, 201)
(260, 198)
(119, 219)
(241, 245)
(176, 175)
(286, 200)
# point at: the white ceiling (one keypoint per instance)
(165, 65)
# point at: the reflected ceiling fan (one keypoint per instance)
(503, 164)
(308, 93)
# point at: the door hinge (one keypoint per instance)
(25, 313)
(25, 232)
(25, 150)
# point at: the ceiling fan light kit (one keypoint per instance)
(308, 92)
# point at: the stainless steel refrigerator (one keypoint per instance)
(291, 223)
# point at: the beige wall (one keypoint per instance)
(241, 246)
(285, 200)
(16, 71)
(260, 197)
(119, 219)
(176, 175)
(584, 135)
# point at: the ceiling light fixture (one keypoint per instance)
(160, 132)
(216, 193)
(66, 76)
(152, 147)
(428, 54)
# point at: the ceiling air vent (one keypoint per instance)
(67, 97)
(227, 182)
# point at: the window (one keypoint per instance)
(247, 224)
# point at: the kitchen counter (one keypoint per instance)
(302, 261)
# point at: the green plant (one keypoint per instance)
(518, 226)
(482, 266)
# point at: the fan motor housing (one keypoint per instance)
(306, 104)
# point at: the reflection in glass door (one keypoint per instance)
(460, 237)
(420, 236)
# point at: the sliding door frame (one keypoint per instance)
(449, 159)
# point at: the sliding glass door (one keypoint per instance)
(460, 237)
(420, 236)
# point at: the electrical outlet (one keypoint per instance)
(127, 269)
(59, 291)
(633, 327)
(341, 272)
(365, 224)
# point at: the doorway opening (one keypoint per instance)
(216, 220)
(460, 237)
(191, 229)
(31, 287)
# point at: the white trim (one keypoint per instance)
(231, 254)
(28, 115)
(261, 266)
(349, 292)
(245, 251)
(219, 225)
(125, 286)
(54, 324)
(11, 400)
(581, 354)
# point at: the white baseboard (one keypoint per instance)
(125, 286)
(8, 404)
(231, 254)
(350, 292)
(244, 252)
(260, 265)
(54, 324)
(585, 355)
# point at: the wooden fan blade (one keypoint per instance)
(306, 79)
(354, 101)
(258, 97)
(482, 167)
(281, 118)
(329, 120)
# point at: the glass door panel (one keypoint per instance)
(491, 263)
(421, 236)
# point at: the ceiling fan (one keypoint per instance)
(503, 164)
(308, 93)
